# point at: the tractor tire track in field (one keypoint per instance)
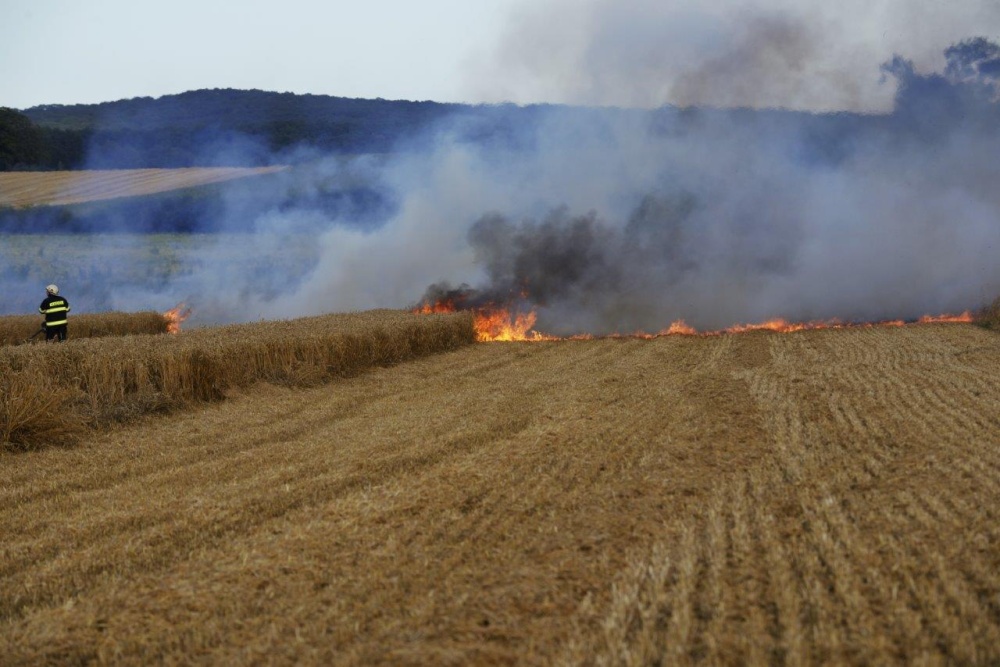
(818, 497)
(852, 577)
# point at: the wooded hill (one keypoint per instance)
(252, 128)
(225, 127)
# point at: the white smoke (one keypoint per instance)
(619, 220)
(794, 54)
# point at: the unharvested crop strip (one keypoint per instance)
(115, 379)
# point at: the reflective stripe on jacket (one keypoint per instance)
(54, 308)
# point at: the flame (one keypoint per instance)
(679, 328)
(501, 324)
(439, 307)
(965, 317)
(494, 323)
(175, 316)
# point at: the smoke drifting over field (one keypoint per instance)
(617, 220)
(794, 54)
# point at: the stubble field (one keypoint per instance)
(59, 188)
(818, 497)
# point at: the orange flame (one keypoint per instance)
(439, 307)
(501, 324)
(679, 328)
(175, 316)
(965, 317)
(493, 323)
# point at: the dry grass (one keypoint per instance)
(36, 411)
(58, 188)
(826, 497)
(20, 329)
(117, 379)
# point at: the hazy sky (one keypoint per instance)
(791, 53)
(67, 51)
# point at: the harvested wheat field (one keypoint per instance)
(58, 188)
(818, 497)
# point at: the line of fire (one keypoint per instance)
(508, 323)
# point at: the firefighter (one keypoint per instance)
(55, 309)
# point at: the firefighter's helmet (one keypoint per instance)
(52, 289)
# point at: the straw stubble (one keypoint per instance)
(821, 497)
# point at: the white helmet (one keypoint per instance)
(52, 289)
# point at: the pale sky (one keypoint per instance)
(805, 54)
(82, 51)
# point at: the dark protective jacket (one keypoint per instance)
(54, 308)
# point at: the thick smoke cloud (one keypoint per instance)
(794, 54)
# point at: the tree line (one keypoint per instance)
(27, 145)
(206, 128)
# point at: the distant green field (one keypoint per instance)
(165, 255)
(96, 264)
